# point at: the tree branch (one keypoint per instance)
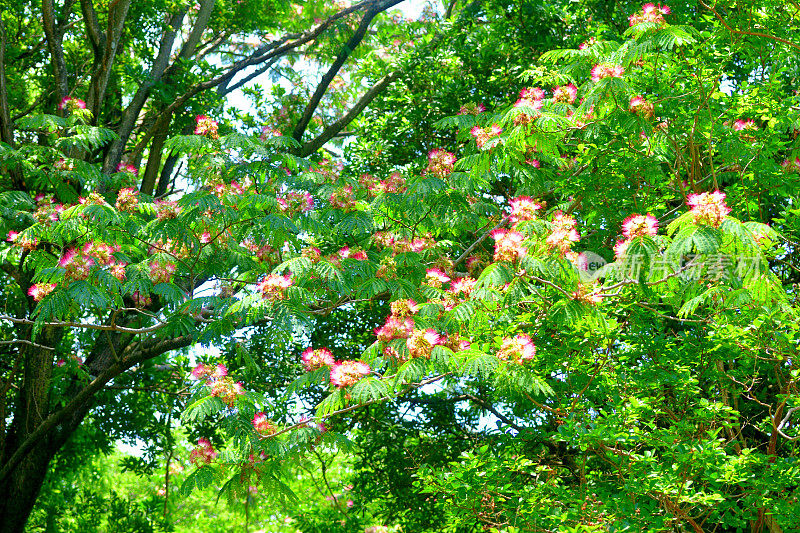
(56, 50)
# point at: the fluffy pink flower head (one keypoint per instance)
(640, 226)
(293, 202)
(404, 308)
(563, 233)
(161, 271)
(471, 108)
(167, 209)
(440, 163)
(606, 70)
(76, 265)
(484, 135)
(206, 126)
(262, 425)
(463, 286)
(639, 106)
(508, 245)
(744, 124)
(342, 198)
(12, 236)
(421, 342)
(346, 373)
(434, 277)
(587, 44)
(791, 165)
(127, 167)
(220, 371)
(71, 104)
(585, 293)
(517, 350)
(127, 200)
(273, 287)
(531, 93)
(203, 454)
(201, 371)
(523, 208)
(650, 13)
(395, 328)
(565, 94)
(40, 290)
(102, 252)
(708, 208)
(314, 359)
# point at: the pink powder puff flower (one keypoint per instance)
(118, 271)
(203, 454)
(404, 308)
(587, 44)
(206, 126)
(565, 93)
(708, 208)
(346, 373)
(220, 371)
(650, 13)
(40, 290)
(262, 425)
(523, 208)
(127, 167)
(463, 285)
(508, 245)
(606, 70)
(127, 200)
(471, 109)
(421, 342)
(395, 328)
(744, 124)
(76, 265)
(161, 271)
(639, 226)
(200, 371)
(314, 359)
(274, 287)
(71, 104)
(517, 350)
(639, 106)
(293, 202)
(434, 277)
(531, 93)
(12, 236)
(167, 209)
(484, 135)
(440, 162)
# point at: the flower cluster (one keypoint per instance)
(565, 94)
(471, 108)
(127, 168)
(167, 209)
(517, 350)
(484, 135)
(400, 245)
(292, 202)
(744, 124)
(127, 200)
(587, 293)
(273, 287)
(708, 208)
(94, 198)
(47, 211)
(508, 245)
(314, 359)
(639, 106)
(161, 271)
(563, 232)
(39, 290)
(350, 253)
(329, 169)
(523, 208)
(346, 373)
(71, 104)
(77, 265)
(440, 163)
(222, 386)
(791, 165)
(206, 126)
(606, 70)
(421, 342)
(395, 183)
(650, 13)
(263, 425)
(587, 44)
(221, 189)
(203, 454)
(342, 198)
